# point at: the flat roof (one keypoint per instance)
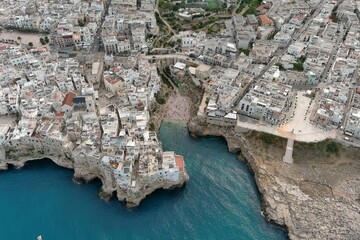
(180, 65)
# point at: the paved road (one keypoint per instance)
(95, 47)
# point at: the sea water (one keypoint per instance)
(219, 202)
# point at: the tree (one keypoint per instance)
(332, 147)
(42, 41)
(299, 66)
(152, 126)
(81, 23)
(19, 38)
(46, 39)
(30, 44)
(281, 67)
(245, 51)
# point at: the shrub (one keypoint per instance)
(152, 126)
(332, 147)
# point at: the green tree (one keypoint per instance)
(192, 55)
(30, 44)
(152, 126)
(245, 51)
(81, 23)
(332, 147)
(281, 67)
(42, 41)
(46, 39)
(299, 66)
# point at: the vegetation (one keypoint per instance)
(152, 126)
(30, 44)
(192, 55)
(81, 23)
(269, 138)
(266, 138)
(199, 25)
(215, 28)
(326, 147)
(160, 100)
(299, 65)
(212, 5)
(158, 19)
(166, 81)
(173, 21)
(42, 41)
(272, 35)
(333, 17)
(314, 149)
(281, 67)
(246, 51)
(332, 147)
(346, 33)
(169, 75)
(26, 30)
(252, 5)
(165, 6)
(207, 100)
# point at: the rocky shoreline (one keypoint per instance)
(307, 205)
(85, 173)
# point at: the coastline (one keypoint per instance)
(86, 172)
(87, 168)
(285, 200)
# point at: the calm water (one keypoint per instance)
(219, 202)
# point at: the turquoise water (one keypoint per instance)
(219, 202)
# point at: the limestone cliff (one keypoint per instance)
(317, 199)
(133, 197)
(84, 170)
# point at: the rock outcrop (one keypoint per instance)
(312, 200)
(85, 171)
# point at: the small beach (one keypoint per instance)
(178, 108)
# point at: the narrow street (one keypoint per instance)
(95, 47)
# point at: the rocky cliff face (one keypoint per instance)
(320, 201)
(84, 171)
(133, 197)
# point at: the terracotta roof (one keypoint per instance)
(260, 8)
(112, 81)
(59, 114)
(68, 100)
(265, 20)
(179, 162)
(2, 48)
